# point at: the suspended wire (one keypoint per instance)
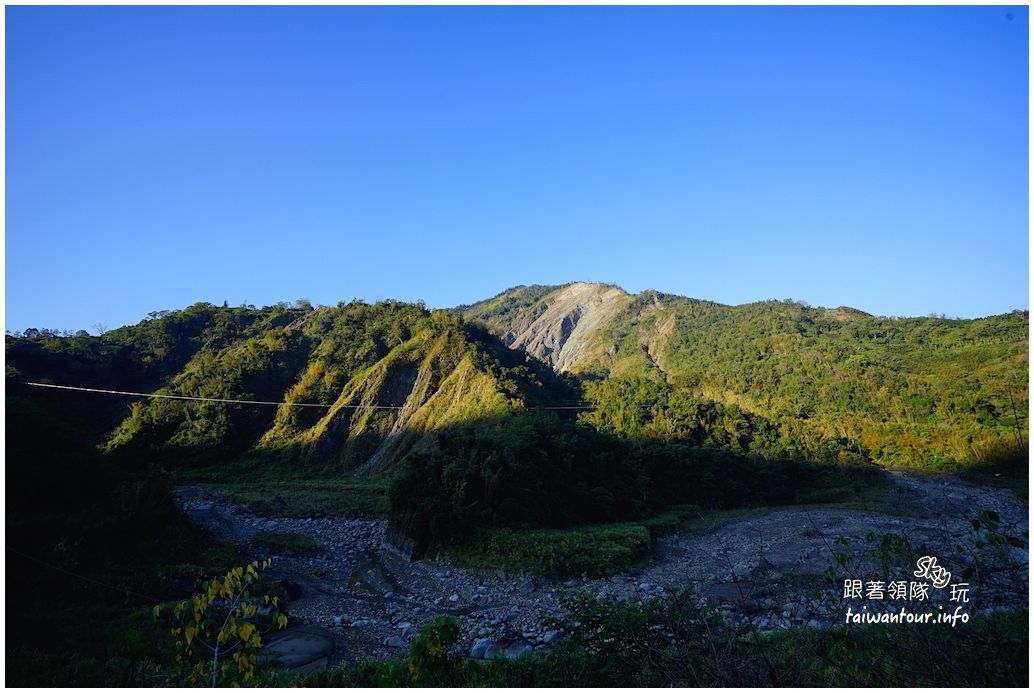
(209, 399)
(84, 578)
(259, 402)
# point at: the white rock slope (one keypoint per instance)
(561, 327)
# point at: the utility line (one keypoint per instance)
(252, 401)
(208, 399)
(84, 578)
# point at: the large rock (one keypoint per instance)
(288, 590)
(481, 646)
(510, 646)
(303, 648)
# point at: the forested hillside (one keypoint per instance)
(658, 400)
(552, 429)
(372, 379)
(779, 377)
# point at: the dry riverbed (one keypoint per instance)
(359, 598)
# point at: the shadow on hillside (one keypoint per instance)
(527, 468)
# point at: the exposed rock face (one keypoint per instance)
(562, 326)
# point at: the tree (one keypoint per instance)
(224, 619)
(429, 661)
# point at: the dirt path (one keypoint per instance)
(763, 566)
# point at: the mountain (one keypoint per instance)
(660, 402)
(774, 378)
(376, 379)
(923, 392)
(553, 324)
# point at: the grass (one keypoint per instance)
(349, 497)
(990, 651)
(270, 486)
(596, 550)
(1009, 468)
(93, 646)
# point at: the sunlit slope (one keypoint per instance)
(381, 376)
(901, 391)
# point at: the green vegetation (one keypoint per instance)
(351, 497)
(774, 378)
(669, 641)
(90, 547)
(536, 470)
(593, 549)
(929, 393)
(218, 632)
(425, 416)
(587, 549)
(428, 655)
(348, 377)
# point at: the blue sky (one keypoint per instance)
(873, 157)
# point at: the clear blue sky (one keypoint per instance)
(872, 157)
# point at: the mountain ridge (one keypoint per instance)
(903, 392)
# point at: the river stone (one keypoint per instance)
(510, 646)
(303, 648)
(394, 641)
(481, 646)
(527, 588)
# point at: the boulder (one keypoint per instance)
(510, 646)
(287, 590)
(395, 641)
(303, 648)
(481, 646)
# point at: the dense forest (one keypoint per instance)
(784, 378)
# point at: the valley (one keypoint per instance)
(553, 467)
(761, 568)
